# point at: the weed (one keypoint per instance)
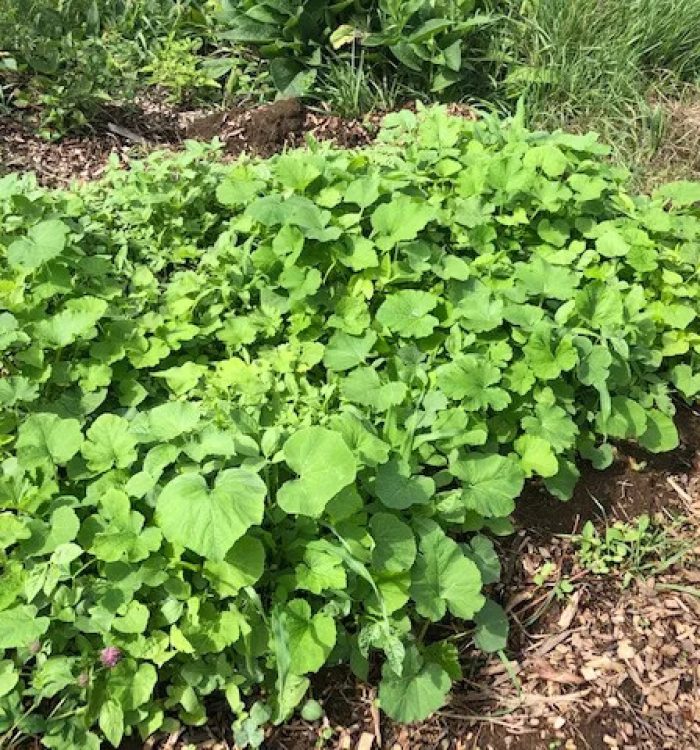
(640, 549)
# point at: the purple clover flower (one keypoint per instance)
(110, 656)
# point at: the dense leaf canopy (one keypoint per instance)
(261, 417)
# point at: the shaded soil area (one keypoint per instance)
(607, 664)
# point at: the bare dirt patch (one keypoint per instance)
(126, 134)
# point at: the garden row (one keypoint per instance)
(265, 417)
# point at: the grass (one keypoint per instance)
(599, 65)
(351, 88)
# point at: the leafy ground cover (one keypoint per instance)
(266, 417)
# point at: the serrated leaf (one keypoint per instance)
(20, 626)
(311, 638)
(109, 443)
(406, 313)
(44, 241)
(9, 677)
(76, 320)
(490, 484)
(48, 439)
(536, 456)
(443, 578)
(401, 219)
(472, 380)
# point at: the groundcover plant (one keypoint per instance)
(263, 417)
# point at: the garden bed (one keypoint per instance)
(605, 667)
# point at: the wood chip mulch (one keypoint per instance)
(152, 124)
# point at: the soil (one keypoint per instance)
(125, 134)
(636, 483)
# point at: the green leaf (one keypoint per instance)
(401, 219)
(206, 521)
(443, 578)
(111, 721)
(546, 356)
(343, 352)
(394, 543)
(109, 444)
(20, 626)
(550, 159)
(552, 424)
(243, 566)
(76, 320)
(406, 313)
(542, 279)
(9, 677)
(600, 306)
(363, 191)
(491, 628)
(364, 386)
(482, 552)
(686, 380)
(397, 489)
(563, 483)
(555, 233)
(611, 244)
(661, 434)
(48, 439)
(472, 380)
(54, 675)
(44, 241)
(312, 710)
(490, 484)
(166, 422)
(419, 691)
(627, 419)
(322, 569)
(325, 465)
(478, 310)
(536, 456)
(311, 638)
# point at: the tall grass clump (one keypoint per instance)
(596, 63)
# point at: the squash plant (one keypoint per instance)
(264, 417)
